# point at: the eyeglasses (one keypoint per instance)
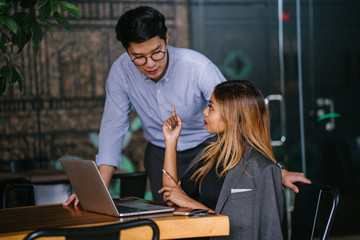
(156, 56)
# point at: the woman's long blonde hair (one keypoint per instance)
(245, 114)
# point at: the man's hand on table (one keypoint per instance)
(72, 199)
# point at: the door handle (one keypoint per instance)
(278, 97)
(331, 115)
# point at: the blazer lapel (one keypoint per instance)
(231, 179)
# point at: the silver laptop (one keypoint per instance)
(94, 196)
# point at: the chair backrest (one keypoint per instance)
(133, 184)
(104, 232)
(314, 210)
(17, 193)
(22, 165)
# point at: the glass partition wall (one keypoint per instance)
(305, 57)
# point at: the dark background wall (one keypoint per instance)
(64, 92)
(64, 88)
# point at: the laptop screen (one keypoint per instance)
(94, 196)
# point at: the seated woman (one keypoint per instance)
(236, 175)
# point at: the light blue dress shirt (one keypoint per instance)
(187, 84)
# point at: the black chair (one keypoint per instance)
(132, 184)
(17, 193)
(104, 232)
(314, 210)
(22, 165)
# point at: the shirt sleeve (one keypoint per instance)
(210, 77)
(115, 120)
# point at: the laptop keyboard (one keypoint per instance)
(124, 209)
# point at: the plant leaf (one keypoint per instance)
(2, 85)
(50, 30)
(16, 76)
(20, 40)
(5, 6)
(19, 17)
(4, 40)
(21, 84)
(11, 24)
(27, 3)
(2, 4)
(20, 71)
(70, 8)
(6, 88)
(28, 21)
(62, 21)
(11, 77)
(40, 2)
(21, 78)
(37, 34)
(54, 6)
(7, 57)
(45, 12)
(4, 71)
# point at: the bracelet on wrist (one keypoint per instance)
(280, 165)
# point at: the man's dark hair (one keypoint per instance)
(139, 25)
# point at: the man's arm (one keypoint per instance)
(289, 178)
(210, 77)
(114, 125)
(106, 172)
(115, 119)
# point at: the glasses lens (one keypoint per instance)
(139, 61)
(157, 56)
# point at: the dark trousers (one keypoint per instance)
(154, 162)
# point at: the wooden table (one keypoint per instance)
(16, 223)
(37, 176)
(42, 178)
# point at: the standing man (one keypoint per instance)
(151, 76)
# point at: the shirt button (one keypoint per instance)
(162, 110)
(158, 91)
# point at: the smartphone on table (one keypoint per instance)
(189, 211)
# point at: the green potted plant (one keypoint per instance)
(21, 22)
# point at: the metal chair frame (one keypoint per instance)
(103, 232)
(306, 211)
(30, 195)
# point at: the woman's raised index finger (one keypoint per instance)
(173, 110)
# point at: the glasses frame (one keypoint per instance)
(151, 56)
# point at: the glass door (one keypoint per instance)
(242, 39)
(245, 39)
(305, 58)
(322, 45)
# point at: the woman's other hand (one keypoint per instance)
(175, 195)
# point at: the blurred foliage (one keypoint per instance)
(21, 22)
